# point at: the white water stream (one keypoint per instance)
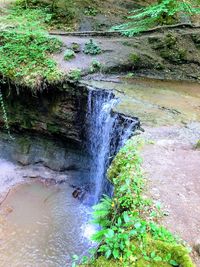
(106, 134)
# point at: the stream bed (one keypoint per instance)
(41, 224)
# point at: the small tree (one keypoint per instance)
(164, 12)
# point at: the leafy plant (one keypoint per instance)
(129, 232)
(90, 11)
(75, 47)
(60, 14)
(69, 54)
(164, 12)
(92, 48)
(26, 48)
(95, 66)
(75, 75)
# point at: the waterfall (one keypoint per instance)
(106, 134)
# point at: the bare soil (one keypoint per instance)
(172, 166)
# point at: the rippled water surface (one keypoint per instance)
(42, 226)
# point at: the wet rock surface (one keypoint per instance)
(53, 154)
(154, 102)
(57, 111)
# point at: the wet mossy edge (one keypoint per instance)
(155, 246)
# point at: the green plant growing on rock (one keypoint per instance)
(164, 12)
(95, 66)
(75, 47)
(69, 54)
(169, 48)
(130, 235)
(92, 48)
(134, 58)
(75, 75)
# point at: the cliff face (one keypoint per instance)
(57, 111)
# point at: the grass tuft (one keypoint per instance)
(26, 48)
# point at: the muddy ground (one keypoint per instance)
(172, 168)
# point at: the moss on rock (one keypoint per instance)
(169, 47)
(154, 246)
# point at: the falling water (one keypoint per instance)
(106, 134)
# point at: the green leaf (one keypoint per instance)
(137, 225)
(119, 221)
(173, 263)
(116, 253)
(153, 254)
(108, 253)
(126, 217)
(133, 232)
(157, 258)
(110, 233)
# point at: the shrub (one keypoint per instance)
(95, 66)
(164, 12)
(69, 54)
(75, 75)
(92, 48)
(90, 11)
(129, 234)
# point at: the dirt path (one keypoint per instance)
(172, 166)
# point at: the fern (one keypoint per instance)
(164, 12)
(102, 212)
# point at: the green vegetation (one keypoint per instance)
(130, 234)
(75, 47)
(95, 66)
(26, 48)
(75, 75)
(134, 58)
(62, 14)
(164, 12)
(92, 48)
(169, 48)
(90, 11)
(69, 54)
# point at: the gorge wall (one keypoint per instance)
(68, 128)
